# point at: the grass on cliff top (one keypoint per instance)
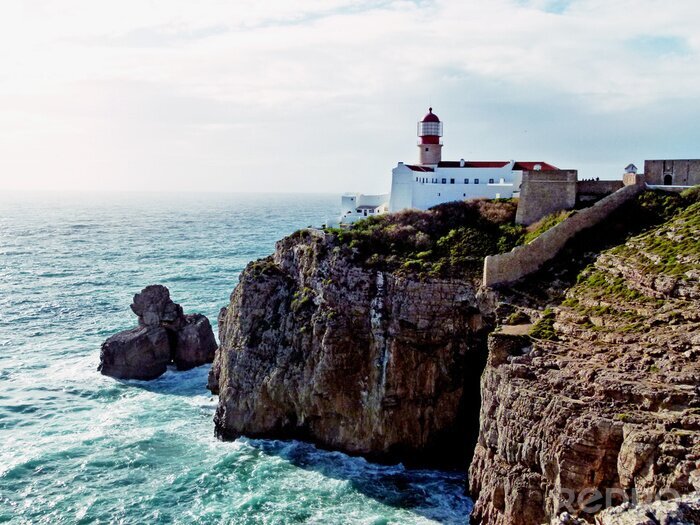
(545, 223)
(451, 239)
(671, 248)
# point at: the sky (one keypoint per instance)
(324, 95)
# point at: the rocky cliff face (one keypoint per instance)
(313, 346)
(374, 354)
(606, 404)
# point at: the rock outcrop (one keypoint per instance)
(607, 404)
(165, 335)
(140, 353)
(684, 510)
(354, 359)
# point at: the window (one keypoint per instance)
(438, 194)
(444, 181)
(426, 149)
(490, 181)
(476, 181)
(452, 181)
(466, 181)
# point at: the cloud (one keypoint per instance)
(323, 94)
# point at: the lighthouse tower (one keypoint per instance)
(429, 145)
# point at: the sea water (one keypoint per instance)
(78, 447)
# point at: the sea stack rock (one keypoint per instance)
(164, 335)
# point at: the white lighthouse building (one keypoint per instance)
(433, 181)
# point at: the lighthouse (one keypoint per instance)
(429, 145)
(434, 181)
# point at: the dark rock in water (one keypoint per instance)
(195, 343)
(154, 307)
(139, 353)
(164, 335)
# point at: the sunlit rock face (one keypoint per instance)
(608, 408)
(354, 359)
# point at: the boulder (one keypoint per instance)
(154, 307)
(164, 335)
(139, 353)
(194, 342)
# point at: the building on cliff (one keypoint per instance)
(433, 181)
(681, 172)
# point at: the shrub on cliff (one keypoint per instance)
(545, 223)
(448, 240)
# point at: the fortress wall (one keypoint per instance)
(598, 187)
(545, 192)
(684, 172)
(509, 267)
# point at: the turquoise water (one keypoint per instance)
(77, 447)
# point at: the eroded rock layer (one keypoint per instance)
(606, 404)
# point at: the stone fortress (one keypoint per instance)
(542, 188)
(544, 193)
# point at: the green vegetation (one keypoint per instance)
(264, 266)
(545, 223)
(451, 239)
(673, 249)
(544, 328)
(670, 249)
(518, 317)
(302, 299)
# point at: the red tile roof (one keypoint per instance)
(473, 164)
(418, 168)
(530, 166)
(518, 166)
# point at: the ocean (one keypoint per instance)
(78, 447)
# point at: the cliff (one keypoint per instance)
(355, 359)
(603, 405)
(369, 340)
(572, 390)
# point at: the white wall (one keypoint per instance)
(428, 189)
(402, 187)
(350, 202)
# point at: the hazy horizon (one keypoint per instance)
(323, 97)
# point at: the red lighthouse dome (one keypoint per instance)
(430, 117)
(430, 128)
(429, 132)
